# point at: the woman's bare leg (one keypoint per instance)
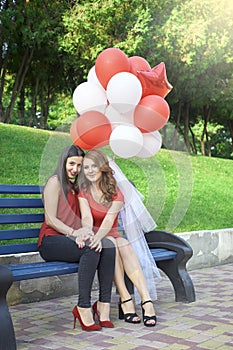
(127, 261)
(120, 284)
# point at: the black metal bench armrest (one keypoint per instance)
(170, 241)
(165, 239)
(175, 269)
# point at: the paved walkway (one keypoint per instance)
(204, 324)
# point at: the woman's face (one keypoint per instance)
(91, 170)
(73, 167)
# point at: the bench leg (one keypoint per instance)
(180, 279)
(7, 334)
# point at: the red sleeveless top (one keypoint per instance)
(68, 212)
(99, 211)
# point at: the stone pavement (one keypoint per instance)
(204, 324)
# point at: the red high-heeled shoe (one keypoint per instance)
(107, 324)
(92, 327)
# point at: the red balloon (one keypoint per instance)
(110, 62)
(94, 129)
(151, 113)
(154, 81)
(75, 136)
(138, 63)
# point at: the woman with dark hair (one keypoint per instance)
(62, 239)
(100, 201)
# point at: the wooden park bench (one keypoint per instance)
(22, 211)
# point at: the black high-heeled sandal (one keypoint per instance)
(129, 317)
(148, 318)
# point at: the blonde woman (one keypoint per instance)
(100, 201)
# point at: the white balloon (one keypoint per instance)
(116, 118)
(152, 143)
(92, 77)
(126, 141)
(124, 91)
(129, 116)
(89, 96)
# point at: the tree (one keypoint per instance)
(90, 27)
(198, 37)
(48, 48)
(29, 35)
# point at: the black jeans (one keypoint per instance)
(62, 248)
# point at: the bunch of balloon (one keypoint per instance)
(122, 104)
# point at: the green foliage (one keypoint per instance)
(219, 139)
(198, 36)
(47, 49)
(182, 192)
(62, 110)
(221, 144)
(90, 27)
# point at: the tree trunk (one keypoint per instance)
(177, 126)
(1, 111)
(231, 130)
(186, 128)
(193, 144)
(33, 117)
(45, 106)
(202, 142)
(21, 107)
(41, 122)
(164, 135)
(3, 65)
(19, 82)
(205, 147)
(207, 134)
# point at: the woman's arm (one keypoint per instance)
(107, 223)
(51, 198)
(51, 201)
(86, 215)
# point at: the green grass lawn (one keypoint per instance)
(182, 192)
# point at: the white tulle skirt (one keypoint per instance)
(136, 221)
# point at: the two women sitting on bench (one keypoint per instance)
(81, 226)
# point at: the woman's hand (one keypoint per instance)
(95, 243)
(82, 235)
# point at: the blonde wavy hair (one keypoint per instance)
(107, 182)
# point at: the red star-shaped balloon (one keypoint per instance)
(154, 81)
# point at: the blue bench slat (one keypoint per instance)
(18, 248)
(20, 218)
(160, 254)
(45, 269)
(41, 269)
(38, 265)
(19, 234)
(21, 189)
(21, 203)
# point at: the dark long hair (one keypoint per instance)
(107, 183)
(60, 171)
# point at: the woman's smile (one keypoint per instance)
(91, 170)
(73, 166)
